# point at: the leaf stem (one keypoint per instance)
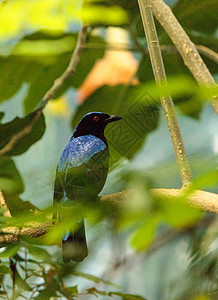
(166, 100)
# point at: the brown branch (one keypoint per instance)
(12, 234)
(209, 53)
(50, 94)
(166, 100)
(204, 200)
(184, 45)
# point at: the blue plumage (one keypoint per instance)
(81, 174)
(79, 150)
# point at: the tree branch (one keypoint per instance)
(204, 200)
(184, 45)
(51, 92)
(209, 53)
(166, 100)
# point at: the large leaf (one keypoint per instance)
(39, 59)
(10, 251)
(140, 116)
(197, 15)
(10, 179)
(11, 185)
(8, 130)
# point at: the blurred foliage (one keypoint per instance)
(20, 15)
(37, 39)
(47, 62)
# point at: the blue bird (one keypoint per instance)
(81, 174)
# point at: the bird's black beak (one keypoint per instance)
(112, 118)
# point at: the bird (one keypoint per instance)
(80, 176)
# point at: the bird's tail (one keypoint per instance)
(74, 246)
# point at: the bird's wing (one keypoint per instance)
(82, 169)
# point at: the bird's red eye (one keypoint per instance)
(96, 118)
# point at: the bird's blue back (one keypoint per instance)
(79, 150)
(82, 169)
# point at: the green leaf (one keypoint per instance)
(96, 292)
(94, 278)
(8, 130)
(11, 185)
(39, 253)
(99, 14)
(145, 234)
(17, 206)
(10, 179)
(73, 290)
(45, 294)
(4, 269)
(126, 296)
(197, 15)
(27, 218)
(21, 283)
(178, 213)
(10, 251)
(140, 116)
(205, 180)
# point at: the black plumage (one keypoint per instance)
(81, 174)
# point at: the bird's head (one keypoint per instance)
(94, 123)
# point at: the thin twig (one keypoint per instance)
(166, 100)
(25, 258)
(13, 271)
(51, 92)
(35, 290)
(186, 48)
(209, 53)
